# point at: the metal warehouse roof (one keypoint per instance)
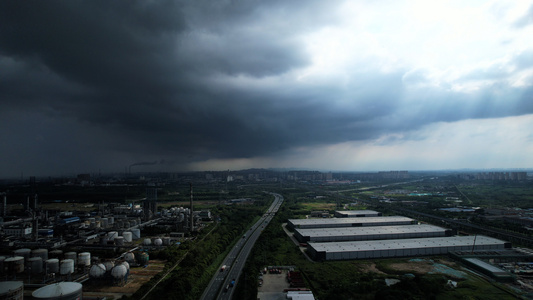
(298, 222)
(357, 212)
(370, 230)
(404, 244)
(485, 265)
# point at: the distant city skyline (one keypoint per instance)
(172, 86)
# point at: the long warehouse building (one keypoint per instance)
(356, 213)
(402, 248)
(370, 233)
(349, 222)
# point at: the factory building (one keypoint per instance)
(356, 213)
(349, 222)
(369, 233)
(402, 248)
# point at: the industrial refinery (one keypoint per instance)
(53, 254)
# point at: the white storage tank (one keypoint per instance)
(12, 290)
(42, 253)
(109, 265)
(158, 242)
(97, 271)
(128, 237)
(72, 255)
(52, 265)
(62, 290)
(127, 265)
(147, 242)
(84, 259)
(36, 265)
(112, 235)
(66, 267)
(24, 252)
(119, 271)
(129, 257)
(136, 233)
(14, 265)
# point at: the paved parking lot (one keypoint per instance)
(273, 286)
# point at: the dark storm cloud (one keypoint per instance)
(138, 81)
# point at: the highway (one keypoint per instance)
(220, 286)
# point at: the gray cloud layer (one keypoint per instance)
(97, 83)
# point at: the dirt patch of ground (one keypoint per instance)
(137, 277)
(420, 267)
(370, 268)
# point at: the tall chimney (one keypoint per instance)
(4, 207)
(192, 220)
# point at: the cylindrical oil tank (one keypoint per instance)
(62, 290)
(147, 242)
(136, 233)
(14, 265)
(128, 237)
(112, 235)
(84, 259)
(142, 258)
(104, 222)
(42, 253)
(109, 265)
(127, 265)
(157, 242)
(72, 255)
(97, 271)
(24, 252)
(119, 271)
(2, 270)
(36, 265)
(119, 241)
(66, 267)
(55, 254)
(129, 257)
(12, 290)
(52, 265)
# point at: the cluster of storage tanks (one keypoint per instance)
(111, 222)
(41, 261)
(114, 238)
(179, 212)
(117, 271)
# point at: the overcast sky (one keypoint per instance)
(89, 86)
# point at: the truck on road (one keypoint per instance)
(223, 268)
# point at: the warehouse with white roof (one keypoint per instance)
(356, 213)
(402, 248)
(349, 222)
(369, 233)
